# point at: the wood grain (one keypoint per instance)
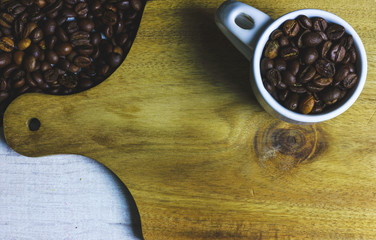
(178, 124)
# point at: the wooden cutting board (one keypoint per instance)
(177, 122)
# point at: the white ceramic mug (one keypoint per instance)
(249, 29)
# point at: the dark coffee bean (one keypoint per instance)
(289, 53)
(298, 89)
(317, 108)
(71, 56)
(109, 18)
(30, 63)
(104, 70)
(8, 70)
(276, 34)
(85, 50)
(307, 74)
(266, 64)
(337, 53)
(63, 49)
(300, 38)
(347, 42)
(319, 24)
(124, 4)
(291, 28)
(272, 90)
(313, 88)
(71, 27)
(136, 4)
(82, 61)
(50, 76)
(325, 68)
(53, 7)
(95, 53)
(44, 66)
(3, 96)
(272, 76)
(3, 84)
(283, 95)
(80, 38)
(281, 85)
(86, 25)
(73, 68)
(288, 78)
(18, 78)
(335, 32)
(280, 64)
(86, 83)
(119, 27)
(351, 67)
(61, 34)
(108, 32)
(63, 64)
(5, 60)
(69, 81)
(283, 41)
(292, 101)
(304, 22)
(49, 27)
(293, 67)
(122, 39)
(37, 35)
(325, 49)
(311, 39)
(323, 36)
(331, 95)
(310, 55)
(52, 57)
(350, 80)
(352, 54)
(81, 9)
(322, 82)
(96, 38)
(51, 41)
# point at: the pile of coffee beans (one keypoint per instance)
(63, 46)
(308, 64)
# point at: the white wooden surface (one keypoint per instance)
(63, 197)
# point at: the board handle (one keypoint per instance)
(242, 25)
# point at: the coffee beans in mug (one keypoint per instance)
(66, 46)
(308, 64)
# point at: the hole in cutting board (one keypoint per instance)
(34, 124)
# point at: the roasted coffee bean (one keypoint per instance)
(335, 32)
(347, 42)
(34, 50)
(122, 39)
(50, 76)
(266, 64)
(72, 27)
(6, 20)
(325, 49)
(17, 57)
(322, 82)
(73, 68)
(80, 38)
(30, 63)
(298, 89)
(289, 53)
(52, 57)
(293, 67)
(49, 27)
(44, 66)
(291, 28)
(61, 34)
(63, 49)
(276, 34)
(51, 41)
(273, 76)
(281, 85)
(304, 22)
(319, 24)
(271, 49)
(82, 61)
(337, 53)
(283, 95)
(283, 41)
(109, 18)
(323, 36)
(288, 78)
(311, 39)
(69, 81)
(307, 74)
(136, 4)
(292, 101)
(280, 64)
(37, 35)
(8, 70)
(325, 68)
(81, 9)
(24, 43)
(272, 90)
(331, 95)
(310, 55)
(6, 44)
(313, 88)
(306, 104)
(300, 38)
(350, 80)
(30, 27)
(86, 25)
(5, 60)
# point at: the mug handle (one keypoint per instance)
(242, 25)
